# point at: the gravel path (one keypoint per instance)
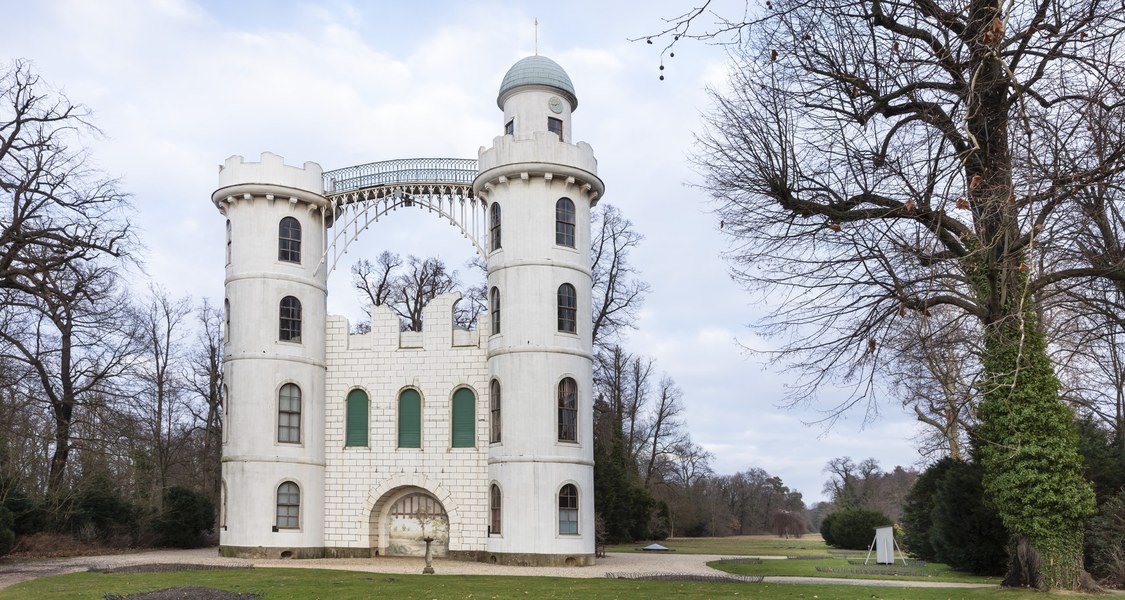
(14, 571)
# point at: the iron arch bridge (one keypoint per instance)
(359, 196)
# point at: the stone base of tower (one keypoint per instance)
(521, 559)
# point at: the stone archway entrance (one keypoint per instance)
(413, 517)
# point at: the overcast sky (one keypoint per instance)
(178, 86)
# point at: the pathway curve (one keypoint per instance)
(13, 571)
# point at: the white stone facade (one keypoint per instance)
(349, 471)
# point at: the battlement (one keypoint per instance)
(271, 170)
(540, 147)
(438, 330)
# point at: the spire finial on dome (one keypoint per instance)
(536, 36)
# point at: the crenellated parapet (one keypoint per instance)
(539, 155)
(271, 179)
(439, 331)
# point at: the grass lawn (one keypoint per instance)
(840, 566)
(738, 545)
(306, 584)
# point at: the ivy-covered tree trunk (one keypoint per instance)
(1030, 454)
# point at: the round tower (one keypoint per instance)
(274, 364)
(539, 189)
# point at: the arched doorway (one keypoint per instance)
(412, 518)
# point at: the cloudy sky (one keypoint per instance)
(179, 85)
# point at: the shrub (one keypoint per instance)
(966, 534)
(826, 529)
(945, 520)
(1105, 542)
(7, 536)
(854, 528)
(98, 513)
(186, 515)
(917, 511)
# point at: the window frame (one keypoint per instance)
(399, 419)
(277, 516)
(510, 127)
(567, 309)
(495, 417)
(229, 243)
(468, 438)
(289, 320)
(567, 410)
(348, 432)
(555, 125)
(564, 226)
(289, 234)
(495, 223)
(495, 510)
(568, 503)
(283, 423)
(494, 309)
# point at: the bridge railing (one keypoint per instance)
(449, 171)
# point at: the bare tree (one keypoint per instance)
(205, 379)
(875, 160)
(160, 404)
(935, 368)
(57, 211)
(406, 288)
(617, 291)
(77, 343)
(666, 432)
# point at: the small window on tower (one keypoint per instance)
(555, 126)
(510, 127)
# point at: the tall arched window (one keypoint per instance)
(409, 419)
(494, 308)
(568, 309)
(494, 503)
(355, 426)
(464, 419)
(564, 222)
(289, 240)
(290, 320)
(494, 226)
(289, 414)
(494, 412)
(288, 506)
(568, 410)
(226, 319)
(568, 510)
(228, 241)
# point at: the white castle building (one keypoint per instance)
(338, 444)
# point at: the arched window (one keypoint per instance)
(568, 510)
(226, 319)
(355, 426)
(494, 412)
(494, 226)
(288, 506)
(228, 241)
(564, 222)
(290, 320)
(464, 431)
(409, 419)
(289, 414)
(289, 240)
(494, 307)
(226, 413)
(568, 309)
(494, 502)
(568, 410)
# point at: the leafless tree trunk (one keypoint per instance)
(617, 291)
(77, 343)
(205, 378)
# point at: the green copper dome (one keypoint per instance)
(538, 70)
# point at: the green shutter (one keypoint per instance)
(356, 419)
(464, 409)
(409, 419)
